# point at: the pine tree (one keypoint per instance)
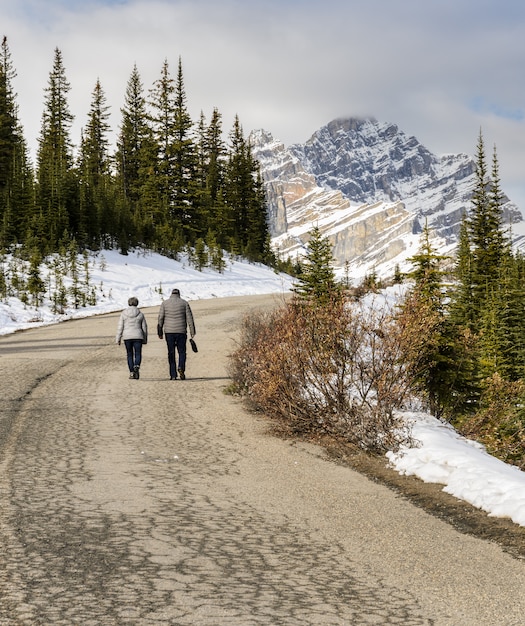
(97, 220)
(244, 194)
(185, 210)
(57, 189)
(16, 176)
(211, 158)
(8, 140)
(163, 121)
(317, 283)
(35, 284)
(435, 363)
(487, 300)
(461, 309)
(176, 164)
(486, 237)
(135, 159)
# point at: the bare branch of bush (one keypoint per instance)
(332, 368)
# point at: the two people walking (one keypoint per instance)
(174, 320)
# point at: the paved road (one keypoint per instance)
(164, 502)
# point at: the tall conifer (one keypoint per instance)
(97, 223)
(57, 196)
(16, 177)
(244, 194)
(136, 167)
(185, 210)
(317, 283)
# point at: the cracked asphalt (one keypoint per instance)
(152, 502)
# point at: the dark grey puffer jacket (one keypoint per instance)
(175, 316)
(132, 325)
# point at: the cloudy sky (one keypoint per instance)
(440, 69)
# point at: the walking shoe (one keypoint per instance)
(182, 374)
(173, 378)
(136, 373)
(132, 375)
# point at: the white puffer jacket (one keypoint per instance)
(132, 325)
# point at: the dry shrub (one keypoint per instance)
(334, 369)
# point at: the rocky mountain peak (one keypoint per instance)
(369, 187)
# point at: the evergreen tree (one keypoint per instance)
(8, 141)
(462, 312)
(136, 167)
(163, 122)
(16, 176)
(35, 284)
(487, 300)
(317, 283)
(436, 362)
(57, 190)
(176, 165)
(185, 211)
(427, 273)
(214, 212)
(486, 237)
(244, 194)
(97, 220)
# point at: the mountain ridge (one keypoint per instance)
(370, 188)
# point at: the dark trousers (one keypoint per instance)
(134, 352)
(176, 341)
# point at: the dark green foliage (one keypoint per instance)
(167, 186)
(427, 273)
(35, 284)
(57, 189)
(486, 307)
(436, 350)
(317, 282)
(16, 177)
(96, 217)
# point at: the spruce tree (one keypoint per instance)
(244, 194)
(435, 367)
(97, 220)
(136, 166)
(57, 189)
(185, 211)
(213, 210)
(16, 175)
(317, 283)
(485, 222)
(162, 118)
(487, 300)
(8, 140)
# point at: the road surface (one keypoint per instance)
(156, 502)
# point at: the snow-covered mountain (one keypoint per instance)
(370, 188)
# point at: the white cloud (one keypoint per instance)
(292, 66)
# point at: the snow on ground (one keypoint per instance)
(441, 456)
(150, 277)
(463, 466)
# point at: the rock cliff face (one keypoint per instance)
(369, 187)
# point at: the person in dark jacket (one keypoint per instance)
(132, 327)
(175, 317)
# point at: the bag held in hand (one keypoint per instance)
(193, 345)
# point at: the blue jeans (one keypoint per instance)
(176, 341)
(134, 352)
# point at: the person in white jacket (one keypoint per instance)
(133, 329)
